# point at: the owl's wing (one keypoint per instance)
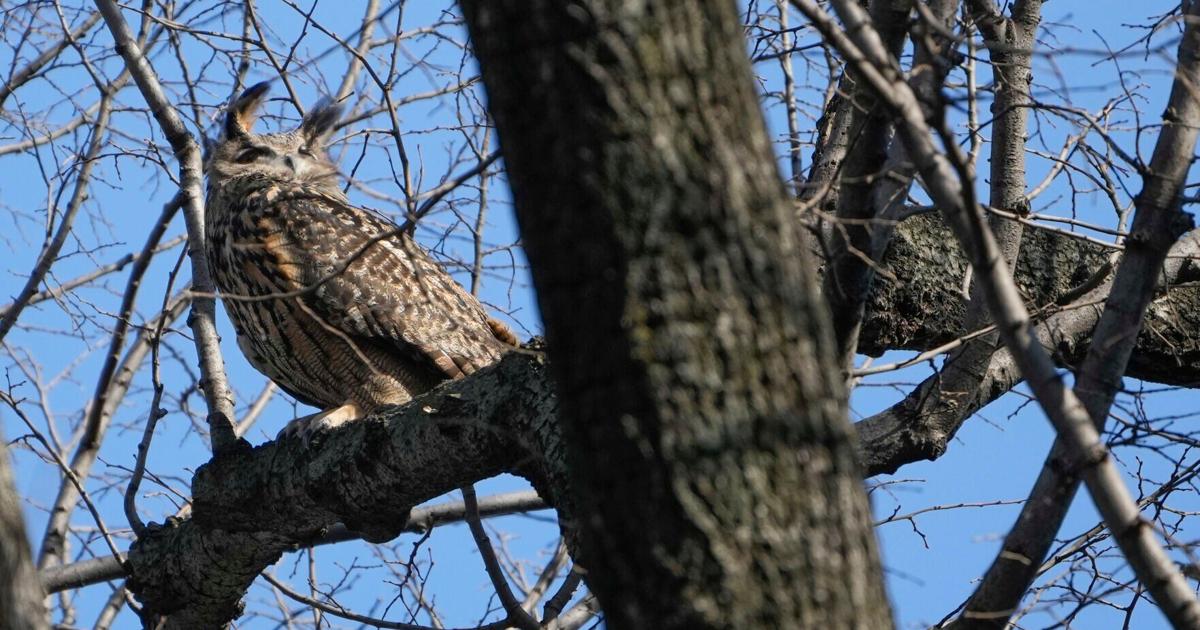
(371, 283)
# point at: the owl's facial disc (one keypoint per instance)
(285, 157)
(295, 164)
(293, 157)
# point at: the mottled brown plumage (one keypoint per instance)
(332, 302)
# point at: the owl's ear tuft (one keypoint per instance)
(320, 121)
(243, 111)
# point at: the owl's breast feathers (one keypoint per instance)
(353, 308)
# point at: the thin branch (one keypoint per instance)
(217, 394)
(156, 412)
(66, 470)
(338, 611)
(49, 253)
(1157, 223)
(107, 394)
(546, 578)
(35, 66)
(366, 29)
(421, 520)
(517, 615)
(119, 264)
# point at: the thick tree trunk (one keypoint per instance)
(703, 410)
(20, 591)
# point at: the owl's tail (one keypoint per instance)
(502, 332)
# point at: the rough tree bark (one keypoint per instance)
(708, 443)
(20, 592)
(252, 505)
(849, 273)
(1058, 273)
(923, 307)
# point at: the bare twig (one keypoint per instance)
(66, 470)
(37, 64)
(55, 242)
(119, 264)
(107, 394)
(517, 615)
(546, 577)
(366, 29)
(338, 611)
(421, 520)
(156, 412)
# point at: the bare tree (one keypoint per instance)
(712, 298)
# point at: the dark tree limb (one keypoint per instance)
(933, 60)
(849, 270)
(250, 505)
(921, 425)
(920, 306)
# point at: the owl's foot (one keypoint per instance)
(308, 427)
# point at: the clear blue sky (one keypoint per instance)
(996, 456)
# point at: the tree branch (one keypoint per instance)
(251, 505)
(55, 241)
(917, 304)
(202, 320)
(420, 520)
(849, 271)
(1157, 224)
(110, 389)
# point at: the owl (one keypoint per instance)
(335, 304)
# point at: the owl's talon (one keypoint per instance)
(309, 427)
(303, 428)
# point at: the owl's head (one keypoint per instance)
(296, 156)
